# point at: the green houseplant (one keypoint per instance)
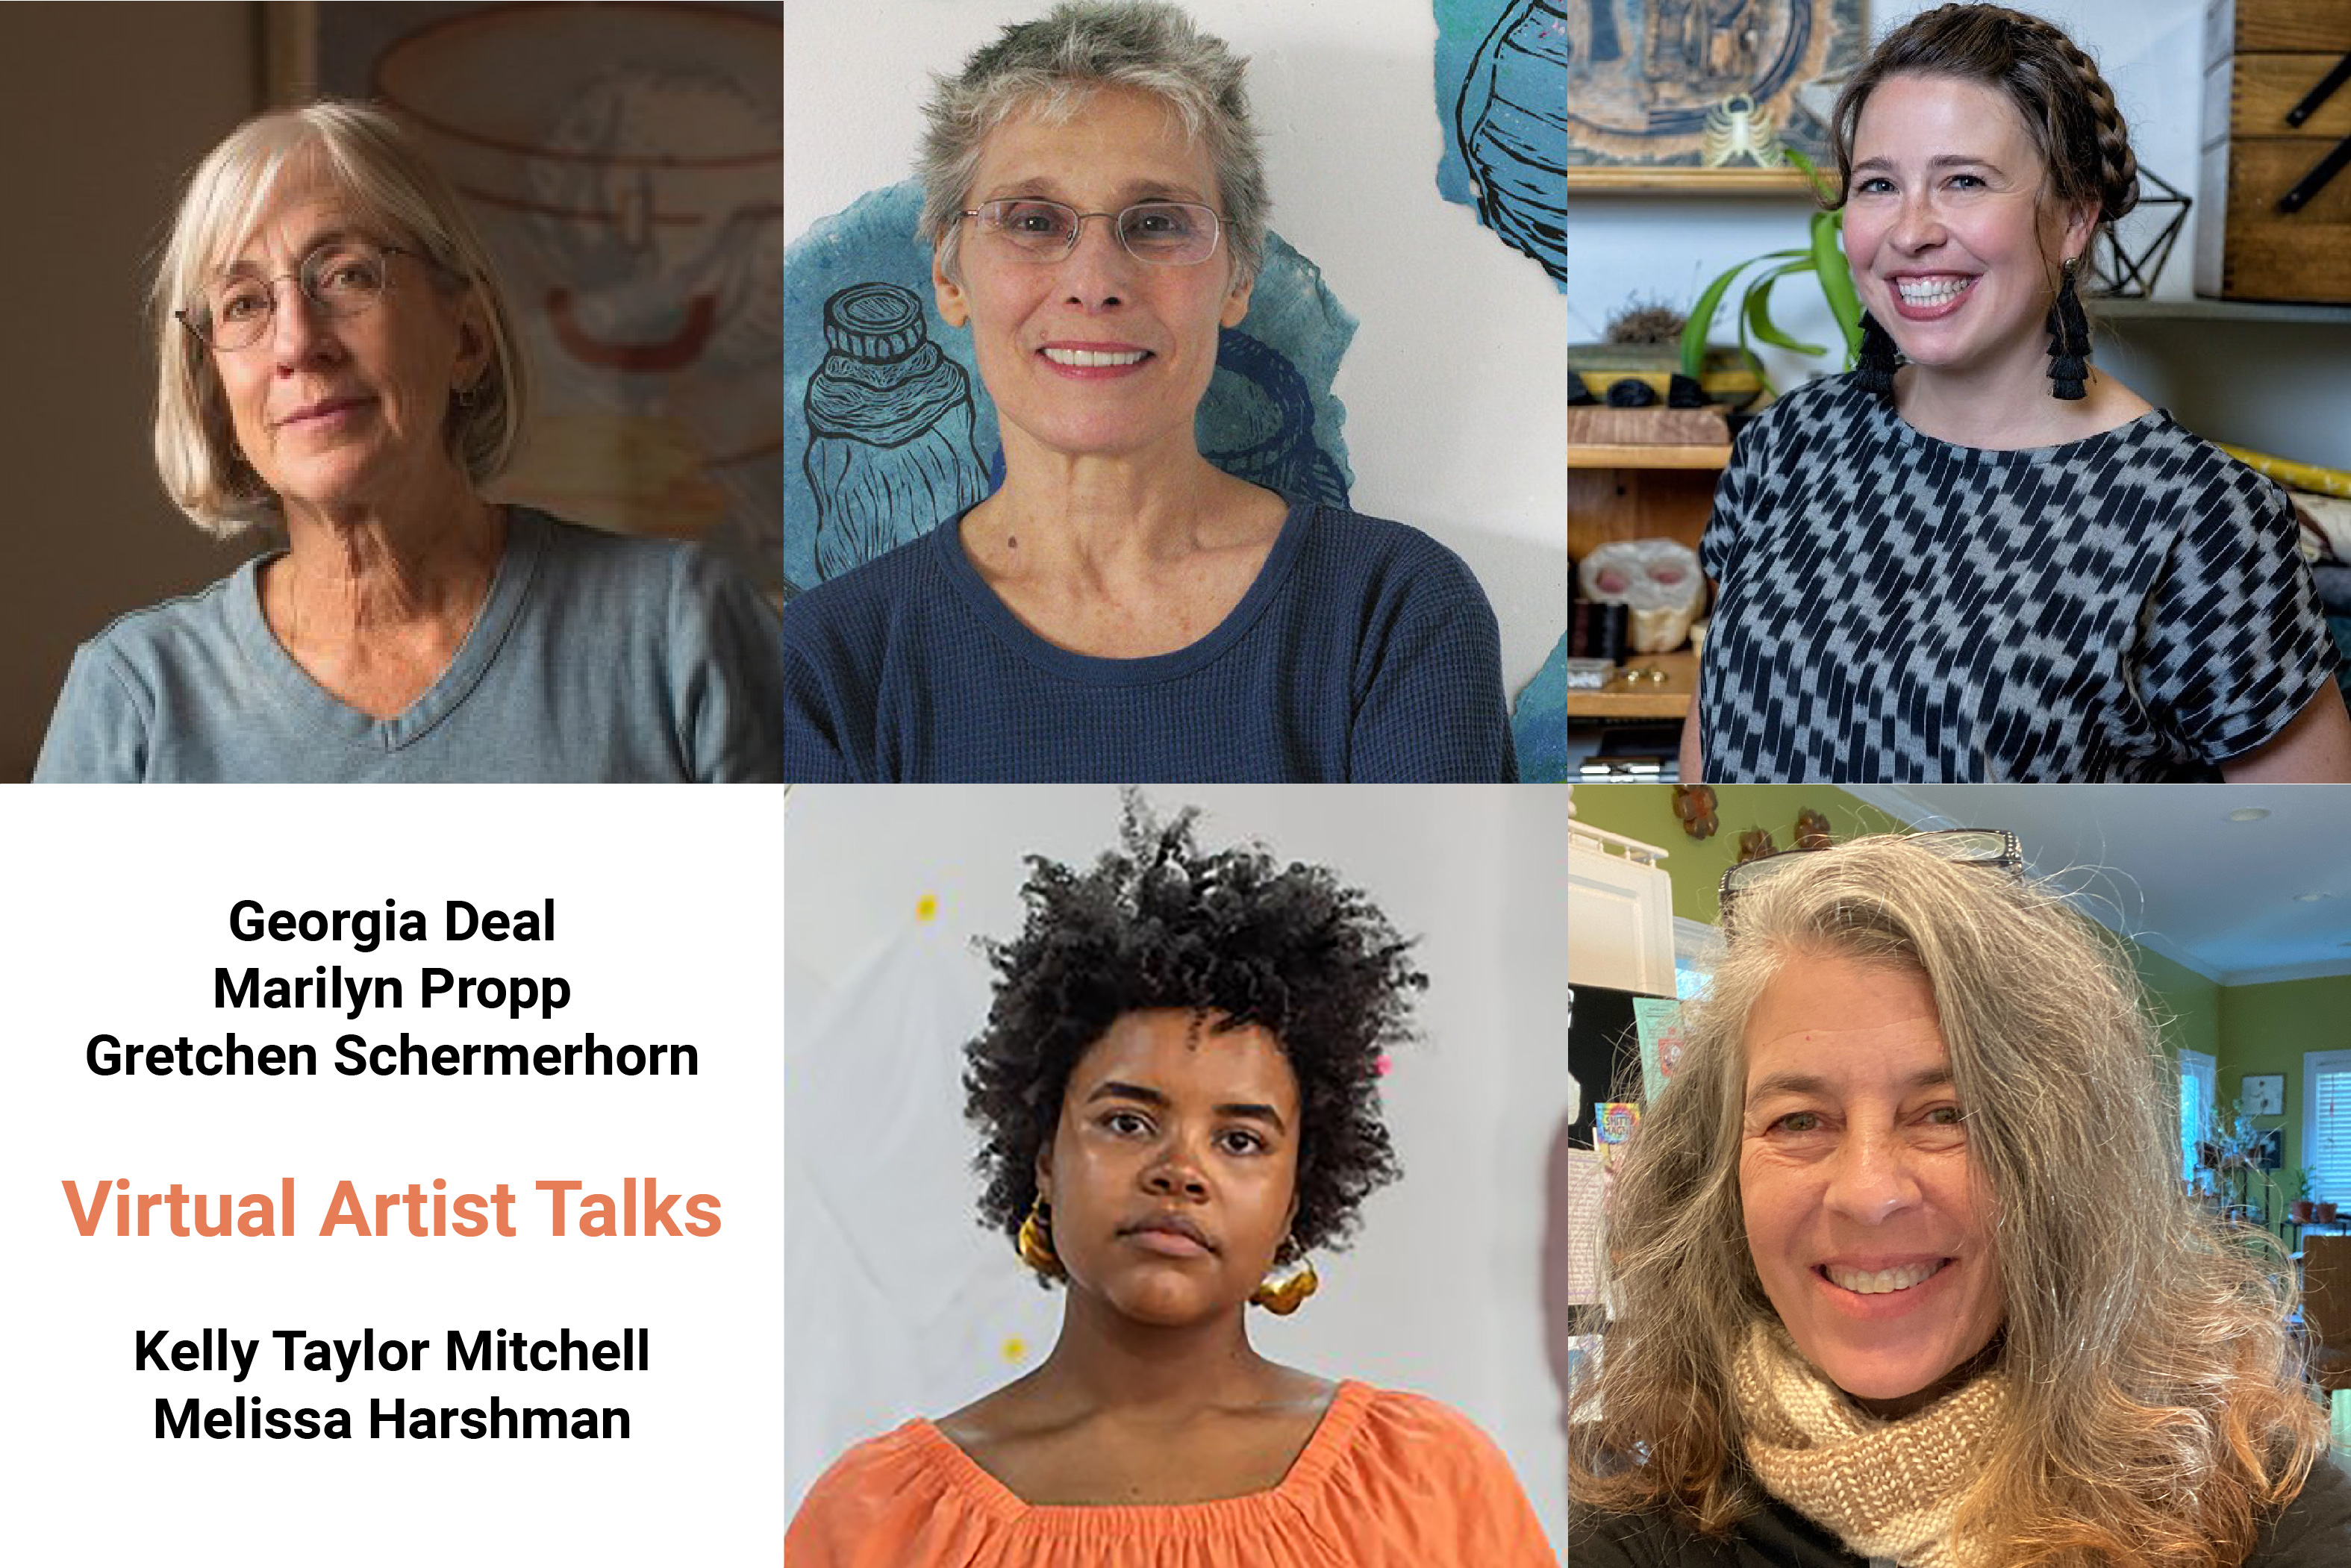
(1822, 256)
(2298, 1183)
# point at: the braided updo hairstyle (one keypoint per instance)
(1159, 923)
(2067, 106)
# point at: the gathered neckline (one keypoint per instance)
(1332, 1433)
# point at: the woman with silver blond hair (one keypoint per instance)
(1120, 607)
(336, 363)
(1899, 1266)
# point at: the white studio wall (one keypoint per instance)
(897, 1303)
(2279, 388)
(1453, 386)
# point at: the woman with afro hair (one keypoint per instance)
(1177, 1100)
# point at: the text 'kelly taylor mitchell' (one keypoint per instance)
(481, 1350)
(640, 1209)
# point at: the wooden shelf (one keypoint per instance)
(1682, 180)
(2209, 310)
(1643, 456)
(1619, 501)
(1645, 699)
(1638, 492)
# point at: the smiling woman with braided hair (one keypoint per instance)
(1976, 556)
(1178, 1094)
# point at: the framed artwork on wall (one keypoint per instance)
(624, 164)
(1703, 95)
(2264, 1093)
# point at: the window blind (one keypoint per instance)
(2327, 1124)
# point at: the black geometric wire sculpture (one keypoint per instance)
(2118, 273)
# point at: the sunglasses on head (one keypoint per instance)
(1961, 846)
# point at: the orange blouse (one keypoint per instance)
(1388, 1481)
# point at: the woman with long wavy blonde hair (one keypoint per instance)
(1899, 1266)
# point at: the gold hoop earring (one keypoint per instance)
(1036, 1241)
(1290, 1294)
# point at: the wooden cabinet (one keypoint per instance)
(2261, 56)
(1638, 492)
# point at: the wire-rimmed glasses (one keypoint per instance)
(343, 278)
(1961, 846)
(1161, 234)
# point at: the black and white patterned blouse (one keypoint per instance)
(1896, 609)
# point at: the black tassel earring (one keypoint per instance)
(2069, 343)
(1873, 368)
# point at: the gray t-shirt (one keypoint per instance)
(595, 658)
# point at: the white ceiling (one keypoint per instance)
(2163, 864)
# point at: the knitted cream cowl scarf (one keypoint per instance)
(1886, 1488)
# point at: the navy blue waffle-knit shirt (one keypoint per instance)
(1364, 651)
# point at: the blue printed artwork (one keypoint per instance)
(1538, 721)
(888, 429)
(1501, 95)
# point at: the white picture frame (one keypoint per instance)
(2264, 1093)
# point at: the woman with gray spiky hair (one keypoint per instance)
(335, 364)
(1121, 609)
(1899, 1266)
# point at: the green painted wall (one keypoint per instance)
(2266, 1028)
(1646, 812)
(2245, 1028)
(2187, 1004)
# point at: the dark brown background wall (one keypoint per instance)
(107, 109)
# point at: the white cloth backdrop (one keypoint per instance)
(907, 1304)
(898, 1304)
